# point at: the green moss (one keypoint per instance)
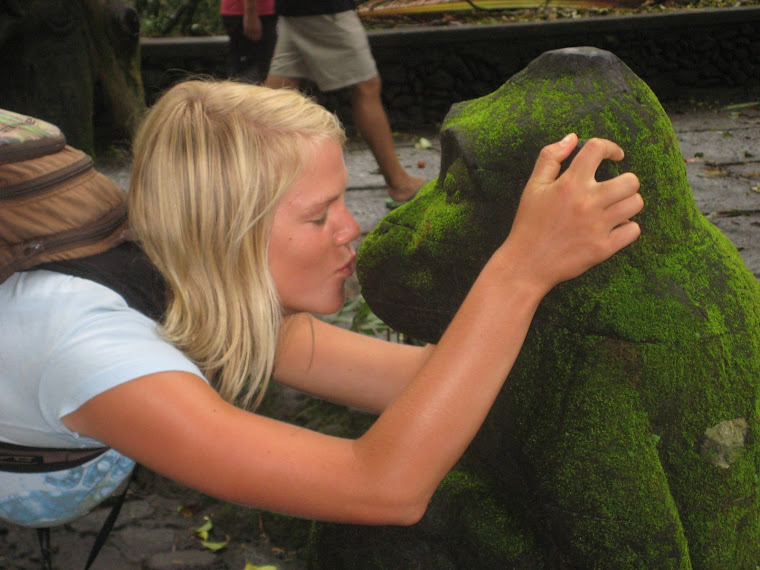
(483, 519)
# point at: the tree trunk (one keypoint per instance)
(53, 53)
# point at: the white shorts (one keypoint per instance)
(331, 49)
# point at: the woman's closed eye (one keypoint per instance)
(319, 221)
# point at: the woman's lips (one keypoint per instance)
(349, 267)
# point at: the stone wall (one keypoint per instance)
(425, 70)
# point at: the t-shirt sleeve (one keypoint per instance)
(101, 343)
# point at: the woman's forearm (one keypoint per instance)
(422, 434)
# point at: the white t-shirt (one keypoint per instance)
(64, 340)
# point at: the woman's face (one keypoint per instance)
(310, 251)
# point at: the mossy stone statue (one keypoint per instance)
(627, 435)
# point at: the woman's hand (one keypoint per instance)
(567, 224)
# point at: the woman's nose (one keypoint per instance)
(348, 230)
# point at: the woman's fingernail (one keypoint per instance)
(566, 140)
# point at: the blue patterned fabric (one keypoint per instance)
(48, 499)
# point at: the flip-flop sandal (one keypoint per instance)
(392, 204)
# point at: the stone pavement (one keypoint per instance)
(722, 150)
(156, 528)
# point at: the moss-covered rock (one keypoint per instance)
(627, 435)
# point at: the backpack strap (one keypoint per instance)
(105, 530)
(125, 269)
(43, 534)
(23, 459)
(43, 537)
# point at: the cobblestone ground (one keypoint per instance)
(156, 527)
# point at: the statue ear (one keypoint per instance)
(458, 176)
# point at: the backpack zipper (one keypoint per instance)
(39, 185)
(96, 231)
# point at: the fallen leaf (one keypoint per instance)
(714, 172)
(214, 546)
(755, 189)
(249, 566)
(420, 164)
(203, 530)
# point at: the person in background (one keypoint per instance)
(252, 28)
(324, 41)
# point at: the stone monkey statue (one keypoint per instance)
(628, 433)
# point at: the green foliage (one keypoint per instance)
(201, 17)
(178, 17)
(356, 315)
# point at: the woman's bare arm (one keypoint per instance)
(176, 424)
(343, 366)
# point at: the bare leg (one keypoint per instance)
(372, 123)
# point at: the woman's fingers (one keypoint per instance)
(616, 189)
(618, 197)
(594, 151)
(624, 209)
(550, 159)
(623, 235)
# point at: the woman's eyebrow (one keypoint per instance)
(320, 205)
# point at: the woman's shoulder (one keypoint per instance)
(66, 339)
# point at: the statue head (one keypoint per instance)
(419, 263)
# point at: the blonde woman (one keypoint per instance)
(237, 196)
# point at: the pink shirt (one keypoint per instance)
(235, 7)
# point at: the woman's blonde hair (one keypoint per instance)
(211, 160)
